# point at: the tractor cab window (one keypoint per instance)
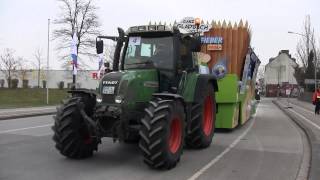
(149, 52)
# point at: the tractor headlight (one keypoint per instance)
(99, 99)
(118, 99)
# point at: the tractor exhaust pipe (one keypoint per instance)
(117, 51)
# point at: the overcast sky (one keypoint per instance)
(24, 22)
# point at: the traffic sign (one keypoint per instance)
(188, 24)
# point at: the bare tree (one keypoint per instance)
(9, 64)
(109, 53)
(39, 63)
(77, 16)
(306, 43)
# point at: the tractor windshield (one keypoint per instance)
(149, 52)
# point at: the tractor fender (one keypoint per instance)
(86, 107)
(171, 96)
(201, 86)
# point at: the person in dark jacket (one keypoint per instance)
(316, 101)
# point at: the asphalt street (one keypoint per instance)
(269, 146)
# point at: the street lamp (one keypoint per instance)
(315, 56)
(291, 32)
(47, 83)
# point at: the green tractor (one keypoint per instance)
(155, 96)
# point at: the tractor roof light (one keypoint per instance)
(152, 28)
(149, 28)
(161, 27)
(142, 28)
(134, 29)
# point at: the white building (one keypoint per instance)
(85, 78)
(279, 73)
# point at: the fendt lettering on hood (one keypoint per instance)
(109, 82)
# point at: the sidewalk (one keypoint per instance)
(26, 112)
(302, 113)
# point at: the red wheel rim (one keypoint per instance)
(175, 135)
(88, 140)
(207, 120)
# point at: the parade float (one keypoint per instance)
(235, 64)
(228, 55)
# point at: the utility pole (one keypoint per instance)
(47, 84)
(288, 92)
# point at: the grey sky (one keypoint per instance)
(24, 22)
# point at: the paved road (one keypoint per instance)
(267, 147)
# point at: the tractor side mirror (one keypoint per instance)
(99, 46)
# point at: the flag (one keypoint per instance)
(101, 66)
(74, 53)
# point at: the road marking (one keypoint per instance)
(19, 129)
(220, 156)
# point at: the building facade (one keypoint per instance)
(85, 78)
(279, 75)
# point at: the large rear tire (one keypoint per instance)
(71, 134)
(202, 122)
(162, 133)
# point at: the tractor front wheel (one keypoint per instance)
(162, 133)
(71, 135)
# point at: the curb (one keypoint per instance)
(15, 116)
(313, 172)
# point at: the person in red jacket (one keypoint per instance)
(316, 101)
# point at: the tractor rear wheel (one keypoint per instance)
(71, 134)
(202, 122)
(162, 133)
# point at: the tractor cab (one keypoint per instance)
(160, 47)
(157, 47)
(150, 50)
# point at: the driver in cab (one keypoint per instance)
(161, 55)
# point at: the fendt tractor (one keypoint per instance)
(154, 96)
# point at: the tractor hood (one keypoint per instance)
(109, 86)
(129, 86)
